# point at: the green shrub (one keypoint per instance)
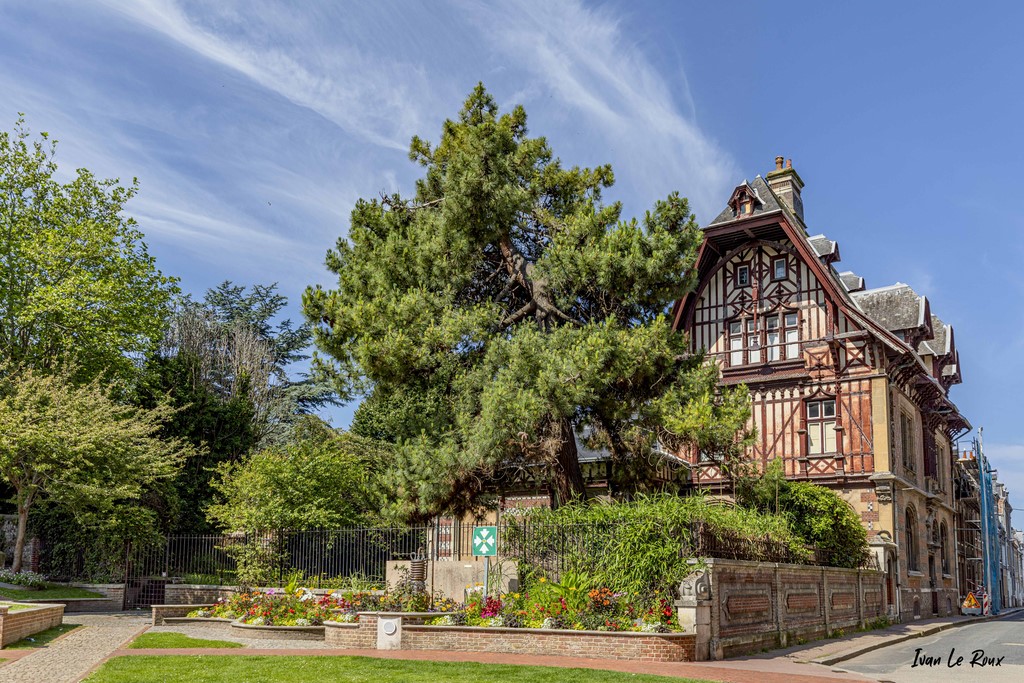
(639, 548)
(816, 513)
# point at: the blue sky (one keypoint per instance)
(253, 128)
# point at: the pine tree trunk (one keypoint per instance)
(568, 477)
(19, 544)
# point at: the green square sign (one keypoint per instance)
(485, 541)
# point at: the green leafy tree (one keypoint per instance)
(242, 354)
(323, 479)
(818, 514)
(504, 309)
(71, 442)
(220, 427)
(77, 284)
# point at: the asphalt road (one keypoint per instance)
(990, 651)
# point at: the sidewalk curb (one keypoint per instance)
(829, 660)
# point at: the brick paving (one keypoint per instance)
(71, 657)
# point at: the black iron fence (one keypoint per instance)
(358, 557)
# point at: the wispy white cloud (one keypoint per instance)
(282, 49)
(582, 57)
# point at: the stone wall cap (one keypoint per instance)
(548, 631)
(271, 627)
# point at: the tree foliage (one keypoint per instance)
(77, 284)
(636, 547)
(72, 443)
(220, 427)
(240, 354)
(322, 479)
(504, 309)
(818, 514)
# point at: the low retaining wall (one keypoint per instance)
(649, 647)
(23, 623)
(387, 631)
(163, 612)
(112, 600)
(279, 632)
(193, 594)
(735, 607)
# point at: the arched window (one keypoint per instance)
(943, 547)
(911, 529)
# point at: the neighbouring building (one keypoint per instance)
(849, 385)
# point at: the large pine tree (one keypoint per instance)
(506, 307)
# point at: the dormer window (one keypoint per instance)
(743, 276)
(744, 200)
(780, 269)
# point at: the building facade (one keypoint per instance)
(849, 385)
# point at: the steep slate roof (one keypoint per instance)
(896, 307)
(761, 190)
(939, 344)
(852, 281)
(823, 247)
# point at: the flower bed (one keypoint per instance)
(570, 605)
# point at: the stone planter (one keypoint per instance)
(279, 632)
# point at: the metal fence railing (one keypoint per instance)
(329, 557)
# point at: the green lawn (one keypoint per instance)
(287, 669)
(173, 640)
(43, 637)
(53, 593)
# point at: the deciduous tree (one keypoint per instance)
(72, 443)
(77, 284)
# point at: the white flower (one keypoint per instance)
(302, 622)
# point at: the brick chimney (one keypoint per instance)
(786, 183)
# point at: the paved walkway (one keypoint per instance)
(831, 652)
(71, 657)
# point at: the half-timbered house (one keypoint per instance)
(849, 385)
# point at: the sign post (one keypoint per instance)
(485, 545)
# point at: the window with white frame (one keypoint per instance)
(780, 271)
(821, 426)
(743, 276)
(772, 338)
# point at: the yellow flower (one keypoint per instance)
(543, 580)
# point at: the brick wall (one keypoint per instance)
(17, 625)
(188, 594)
(361, 635)
(163, 612)
(649, 647)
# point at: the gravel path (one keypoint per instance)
(70, 658)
